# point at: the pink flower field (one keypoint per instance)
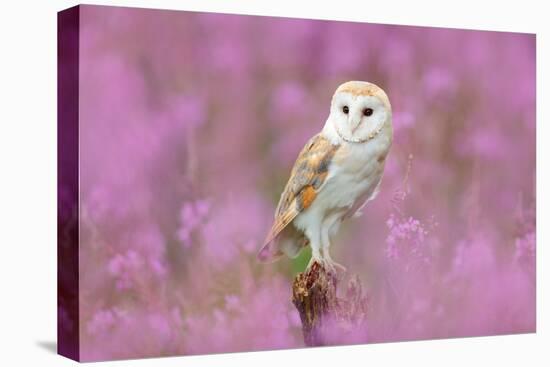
(189, 126)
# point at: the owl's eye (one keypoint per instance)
(367, 111)
(345, 109)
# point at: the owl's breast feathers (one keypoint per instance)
(306, 179)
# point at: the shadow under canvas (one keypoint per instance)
(48, 345)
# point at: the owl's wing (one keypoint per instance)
(306, 179)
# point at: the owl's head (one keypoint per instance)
(359, 111)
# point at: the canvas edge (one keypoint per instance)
(68, 315)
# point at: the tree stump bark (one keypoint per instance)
(327, 317)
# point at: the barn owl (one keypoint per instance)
(337, 172)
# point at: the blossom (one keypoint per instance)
(192, 215)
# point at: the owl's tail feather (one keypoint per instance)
(269, 252)
(276, 248)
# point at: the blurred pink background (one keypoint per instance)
(189, 126)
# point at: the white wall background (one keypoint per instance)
(28, 181)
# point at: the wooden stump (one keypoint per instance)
(323, 313)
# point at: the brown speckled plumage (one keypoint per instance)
(307, 177)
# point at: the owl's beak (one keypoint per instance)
(355, 124)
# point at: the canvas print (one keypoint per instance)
(232, 183)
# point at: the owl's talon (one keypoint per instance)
(334, 268)
(339, 267)
(314, 260)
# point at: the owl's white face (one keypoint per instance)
(358, 118)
